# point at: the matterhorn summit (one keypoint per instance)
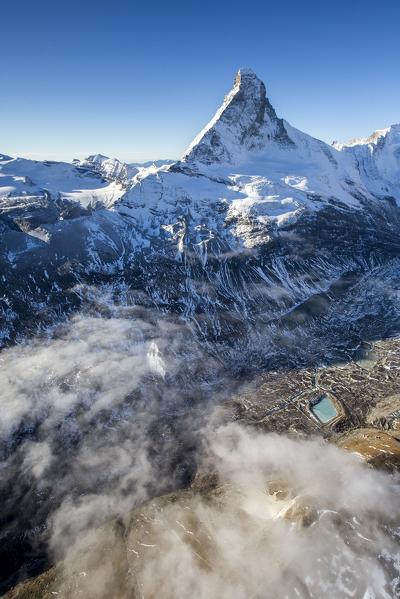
(245, 122)
(246, 172)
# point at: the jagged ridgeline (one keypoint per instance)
(256, 220)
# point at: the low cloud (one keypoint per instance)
(118, 406)
(290, 518)
(98, 415)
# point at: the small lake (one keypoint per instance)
(324, 409)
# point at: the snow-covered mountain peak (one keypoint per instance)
(378, 158)
(97, 158)
(246, 71)
(246, 121)
(377, 137)
(245, 78)
(372, 139)
(248, 170)
(110, 168)
(364, 141)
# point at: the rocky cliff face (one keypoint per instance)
(245, 123)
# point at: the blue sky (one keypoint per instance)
(137, 80)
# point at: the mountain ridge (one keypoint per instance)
(264, 205)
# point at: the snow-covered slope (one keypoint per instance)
(378, 160)
(110, 168)
(20, 177)
(257, 168)
(116, 170)
(257, 223)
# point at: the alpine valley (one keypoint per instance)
(197, 308)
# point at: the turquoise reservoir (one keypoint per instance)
(324, 409)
